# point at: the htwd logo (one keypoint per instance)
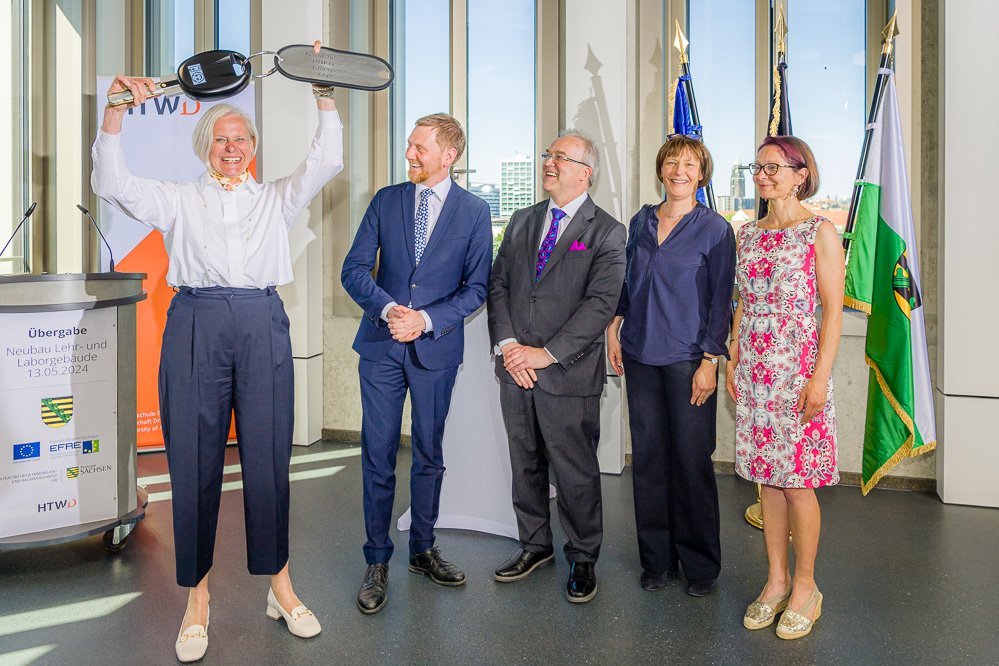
(169, 106)
(56, 505)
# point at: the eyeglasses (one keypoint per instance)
(562, 158)
(692, 137)
(770, 168)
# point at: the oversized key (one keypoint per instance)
(219, 74)
(207, 75)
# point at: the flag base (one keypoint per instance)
(754, 512)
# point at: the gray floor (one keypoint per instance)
(905, 578)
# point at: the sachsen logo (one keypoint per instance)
(57, 505)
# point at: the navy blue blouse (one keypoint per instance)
(677, 297)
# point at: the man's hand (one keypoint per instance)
(523, 357)
(405, 324)
(525, 378)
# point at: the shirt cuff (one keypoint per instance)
(330, 119)
(498, 349)
(107, 141)
(551, 356)
(426, 318)
(386, 309)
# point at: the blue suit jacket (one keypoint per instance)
(449, 284)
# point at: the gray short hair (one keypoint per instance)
(204, 131)
(590, 154)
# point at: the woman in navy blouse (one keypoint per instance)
(676, 310)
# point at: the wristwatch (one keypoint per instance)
(713, 360)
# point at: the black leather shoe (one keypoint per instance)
(522, 564)
(652, 581)
(701, 588)
(372, 596)
(582, 583)
(441, 571)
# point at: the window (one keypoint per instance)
(502, 166)
(232, 26)
(827, 81)
(828, 50)
(421, 53)
(14, 152)
(169, 35)
(723, 73)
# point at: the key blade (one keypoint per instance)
(164, 88)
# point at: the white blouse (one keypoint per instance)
(217, 238)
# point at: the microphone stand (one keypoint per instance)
(94, 222)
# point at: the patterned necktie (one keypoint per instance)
(422, 221)
(548, 244)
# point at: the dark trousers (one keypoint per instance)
(676, 497)
(383, 391)
(561, 432)
(227, 350)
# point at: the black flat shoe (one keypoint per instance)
(582, 583)
(701, 588)
(442, 572)
(652, 581)
(372, 595)
(522, 564)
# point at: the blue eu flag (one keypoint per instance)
(27, 451)
(683, 121)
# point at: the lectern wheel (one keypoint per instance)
(110, 545)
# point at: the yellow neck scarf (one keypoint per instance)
(229, 184)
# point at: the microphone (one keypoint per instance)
(94, 222)
(27, 214)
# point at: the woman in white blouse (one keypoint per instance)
(226, 345)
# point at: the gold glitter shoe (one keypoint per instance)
(795, 625)
(761, 614)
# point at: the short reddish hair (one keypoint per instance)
(800, 156)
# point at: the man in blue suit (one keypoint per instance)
(433, 244)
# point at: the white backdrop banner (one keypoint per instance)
(58, 419)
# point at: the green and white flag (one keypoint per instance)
(882, 279)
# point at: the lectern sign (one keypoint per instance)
(58, 419)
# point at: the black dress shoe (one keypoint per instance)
(522, 564)
(372, 596)
(582, 583)
(701, 588)
(652, 581)
(441, 571)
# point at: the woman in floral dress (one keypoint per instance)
(780, 375)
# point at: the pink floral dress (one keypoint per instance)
(778, 343)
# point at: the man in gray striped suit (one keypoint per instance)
(554, 288)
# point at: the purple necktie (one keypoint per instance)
(548, 244)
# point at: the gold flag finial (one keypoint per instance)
(680, 42)
(889, 34)
(781, 31)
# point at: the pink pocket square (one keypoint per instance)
(577, 246)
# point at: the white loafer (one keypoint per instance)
(192, 643)
(300, 621)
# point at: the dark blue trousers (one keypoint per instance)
(676, 497)
(227, 350)
(383, 391)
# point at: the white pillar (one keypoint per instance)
(968, 370)
(287, 119)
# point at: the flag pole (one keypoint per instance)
(780, 119)
(681, 43)
(887, 54)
